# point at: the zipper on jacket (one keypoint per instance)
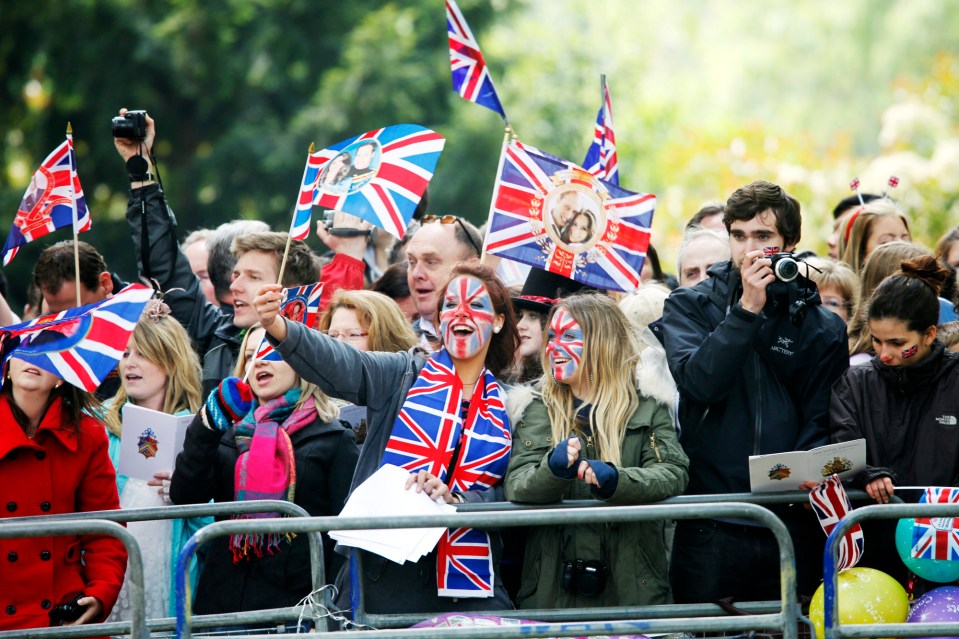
(758, 427)
(655, 446)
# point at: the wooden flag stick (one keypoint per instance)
(491, 260)
(76, 240)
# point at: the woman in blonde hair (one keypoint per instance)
(367, 321)
(868, 227)
(589, 434)
(276, 437)
(159, 370)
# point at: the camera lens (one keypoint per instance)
(787, 269)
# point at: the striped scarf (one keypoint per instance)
(266, 468)
(428, 433)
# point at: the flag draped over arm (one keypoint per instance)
(471, 79)
(378, 176)
(80, 345)
(553, 215)
(54, 199)
(601, 159)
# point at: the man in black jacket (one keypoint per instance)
(754, 358)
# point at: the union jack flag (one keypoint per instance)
(80, 345)
(601, 159)
(378, 176)
(831, 504)
(936, 537)
(554, 215)
(53, 200)
(471, 79)
(300, 304)
(300, 227)
(854, 184)
(425, 434)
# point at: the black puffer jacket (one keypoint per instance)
(325, 456)
(749, 384)
(909, 417)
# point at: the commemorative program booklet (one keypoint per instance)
(150, 442)
(786, 471)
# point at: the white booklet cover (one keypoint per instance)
(786, 471)
(151, 441)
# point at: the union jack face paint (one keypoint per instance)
(467, 316)
(564, 347)
(910, 352)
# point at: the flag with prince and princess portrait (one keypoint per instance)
(556, 216)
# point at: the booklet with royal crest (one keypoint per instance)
(786, 471)
(151, 441)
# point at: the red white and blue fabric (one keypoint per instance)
(302, 214)
(53, 200)
(427, 432)
(471, 79)
(518, 228)
(601, 159)
(300, 304)
(831, 504)
(936, 537)
(407, 157)
(80, 345)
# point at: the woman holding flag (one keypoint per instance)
(904, 401)
(277, 437)
(454, 406)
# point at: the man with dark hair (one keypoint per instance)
(754, 359)
(217, 336)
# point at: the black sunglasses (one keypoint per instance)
(453, 219)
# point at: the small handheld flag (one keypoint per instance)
(53, 200)
(831, 504)
(378, 176)
(551, 214)
(80, 345)
(601, 159)
(471, 79)
(300, 304)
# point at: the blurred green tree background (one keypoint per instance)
(707, 95)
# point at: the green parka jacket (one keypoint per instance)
(654, 468)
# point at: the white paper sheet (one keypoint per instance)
(151, 441)
(786, 471)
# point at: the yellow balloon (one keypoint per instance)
(865, 596)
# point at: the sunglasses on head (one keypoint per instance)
(453, 219)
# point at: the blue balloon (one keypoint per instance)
(938, 570)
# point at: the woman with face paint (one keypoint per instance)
(905, 401)
(587, 433)
(442, 418)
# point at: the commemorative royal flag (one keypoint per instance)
(601, 158)
(54, 199)
(80, 345)
(379, 176)
(471, 79)
(936, 537)
(300, 304)
(554, 215)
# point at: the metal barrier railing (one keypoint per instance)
(783, 621)
(217, 509)
(23, 529)
(832, 627)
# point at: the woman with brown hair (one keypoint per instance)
(459, 382)
(868, 227)
(367, 321)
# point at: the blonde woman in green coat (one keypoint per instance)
(587, 433)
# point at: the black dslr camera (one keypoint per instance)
(784, 265)
(67, 610)
(132, 125)
(585, 577)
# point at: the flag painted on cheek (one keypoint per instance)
(565, 347)
(467, 318)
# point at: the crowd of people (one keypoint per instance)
(545, 391)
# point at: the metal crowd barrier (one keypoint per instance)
(115, 517)
(24, 529)
(784, 620)
(832, 627)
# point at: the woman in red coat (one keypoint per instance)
(54, 459)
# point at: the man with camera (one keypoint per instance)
(754, 356)
(216, 333)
